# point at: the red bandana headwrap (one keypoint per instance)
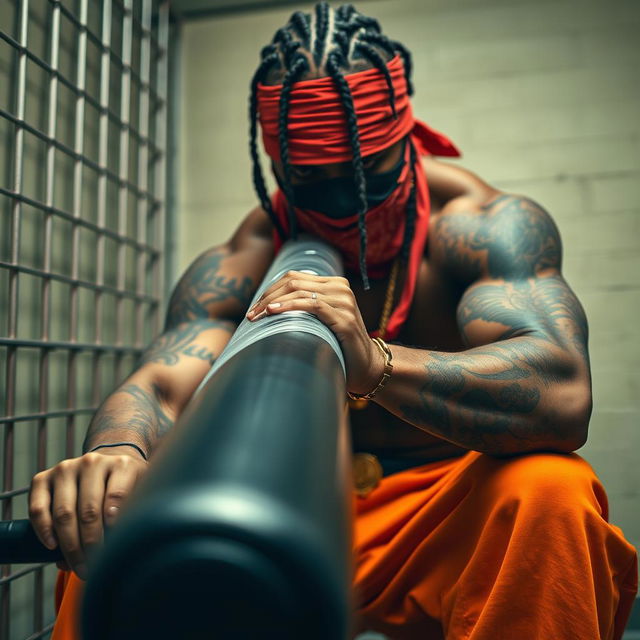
(317, 134)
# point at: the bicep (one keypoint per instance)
(508, 256)
(221, 281)
(544, 307)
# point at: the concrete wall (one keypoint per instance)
(542, 96)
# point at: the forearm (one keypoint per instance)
(134, 413)
(512, 396)
(145, 406)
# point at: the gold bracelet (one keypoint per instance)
(388, 368)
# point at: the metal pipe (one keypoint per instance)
(241, 527)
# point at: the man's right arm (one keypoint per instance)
(70, 502)
(206, 306)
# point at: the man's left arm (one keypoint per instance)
(523, 384)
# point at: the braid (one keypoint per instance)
(376, 59)
(288, 45)
(367, 23)
(406, 58)
(341, 39)
(258, 179)
(352, 125)
(345, 12)
(322, 26)
(355, 43)
(411, 210)
(300, 23)
(379, 40)
(299, 66)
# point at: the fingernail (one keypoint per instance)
(274, 305)
(50, 542)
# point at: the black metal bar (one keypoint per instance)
(86, 224)
(119, 293)
(7, 495)
(10, 577)
(62, 413)
(72, 154)
(81, 92)
(70, 346)
(21, 545)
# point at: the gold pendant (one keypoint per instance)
(357, 405)
(367, 473)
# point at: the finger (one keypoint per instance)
(329, 289)
(65, 519)
(280, 288)
(285, 283)
(40, 509)
(327, 314)
(337, 301)
(91, 490)
(120, 483)
(289, 291)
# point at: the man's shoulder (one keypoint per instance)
(448, 182)
(508, 236)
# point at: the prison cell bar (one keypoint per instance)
(155, 88)
(13, 310)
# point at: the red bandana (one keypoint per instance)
(317, 134)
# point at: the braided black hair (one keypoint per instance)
(316, 46)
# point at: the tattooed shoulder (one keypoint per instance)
(510, 237)
(206, 284)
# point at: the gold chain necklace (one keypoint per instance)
(388, 300)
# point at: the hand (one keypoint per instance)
(72, 502)
(334, 304)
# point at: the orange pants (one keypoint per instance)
(479, 548)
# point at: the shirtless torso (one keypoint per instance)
(431, 323)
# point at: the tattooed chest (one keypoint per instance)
(431, 323)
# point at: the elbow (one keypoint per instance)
(575, 407)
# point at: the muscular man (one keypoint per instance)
(485, 524)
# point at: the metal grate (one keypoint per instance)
(82, 193)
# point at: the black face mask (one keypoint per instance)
(337, 197)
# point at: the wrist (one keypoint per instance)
(121, 447)
(383, 369)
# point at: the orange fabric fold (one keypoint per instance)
(478, 548)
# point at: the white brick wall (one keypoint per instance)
(543, 98)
